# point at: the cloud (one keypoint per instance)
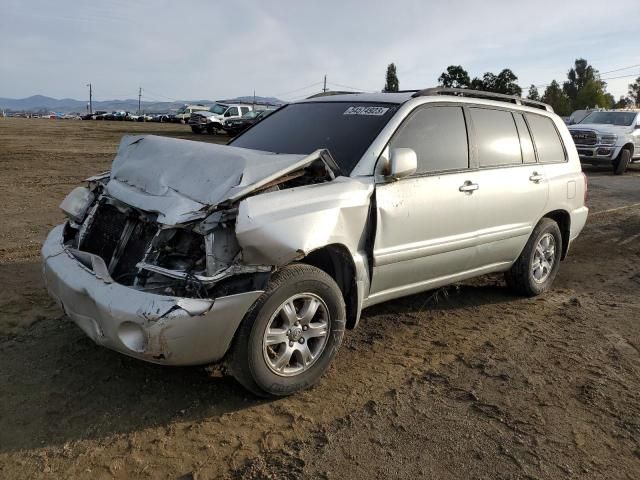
(205, 49)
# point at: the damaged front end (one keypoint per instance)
(149, 263)
(195, 259)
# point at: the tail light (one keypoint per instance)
(586, 187)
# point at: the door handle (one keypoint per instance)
(535, 177)
(468, 187)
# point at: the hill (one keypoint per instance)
(37, 103)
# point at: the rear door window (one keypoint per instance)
(438, 135)
(496, 137)
(546, 139)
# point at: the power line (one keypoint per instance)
(161, 96)
(622, 76)
(619, 69)
(297, 90)
(347, 86)
(541, 85)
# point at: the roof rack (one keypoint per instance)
(466, 92)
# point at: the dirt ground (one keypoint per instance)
(469, 382)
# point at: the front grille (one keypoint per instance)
(584, 137)
(197, 119)
(585, 153)
(135, 250)
(104, 232)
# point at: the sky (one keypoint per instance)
(206, 49)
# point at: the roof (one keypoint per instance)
(457, 93)
(363, 97)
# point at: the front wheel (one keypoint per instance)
(620, 164)
(536, 267)
(195, 129)
(291, 334)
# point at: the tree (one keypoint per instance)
(454, 77)
(624, 102)
(505, 82)
(393, 84)
(591, 95)
(634, 92)
(533, 93)
(610, 99)
(557, 98)
(584, 87)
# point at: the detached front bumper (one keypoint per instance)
(155, 328)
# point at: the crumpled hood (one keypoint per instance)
(178, 179)
(602, 128)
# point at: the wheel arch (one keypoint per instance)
(563, 219)
(629, 146)
(336, 260)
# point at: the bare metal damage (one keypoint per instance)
(183, 236)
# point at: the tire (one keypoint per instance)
(526, 276)
(211, 130)
(254, 364)
(620, 164)
(195, 129)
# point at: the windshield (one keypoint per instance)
(610, 118)
(218, 109)
(182, 110)
(346, 129)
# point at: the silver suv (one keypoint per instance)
(260, 253)
(608, 137)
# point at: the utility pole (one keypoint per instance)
(324, 89)
(139, 98)
(254, 99)
(90, 99)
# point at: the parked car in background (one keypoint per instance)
(233, 126)
(163, 118)
(184, 113)
(212, 120)
(608, 137)
(99, 115)
(258, 254)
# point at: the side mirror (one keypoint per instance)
(637, 126)
(402, 163)
(227, 113)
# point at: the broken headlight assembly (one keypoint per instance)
(76, 204)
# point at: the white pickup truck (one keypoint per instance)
(608, 137)
(213, 119)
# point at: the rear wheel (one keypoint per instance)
(620, 164)
(291, 334)
(536, 267)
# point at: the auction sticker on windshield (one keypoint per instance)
(375, 111)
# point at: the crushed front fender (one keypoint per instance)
(156, 328)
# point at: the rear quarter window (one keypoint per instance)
(528, 153)
(546, 139)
